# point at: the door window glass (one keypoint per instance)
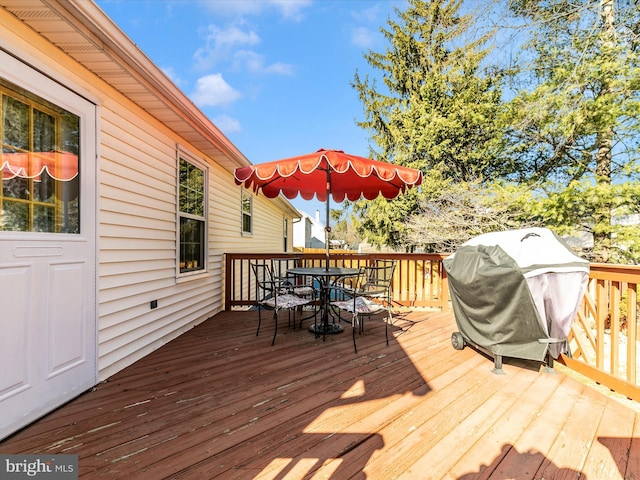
(39, 164)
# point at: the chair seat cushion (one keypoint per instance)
(304, 291)
(285, 301)
(363, 306)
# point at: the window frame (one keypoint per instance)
(183, 155)
(285, 233)
(246, 196)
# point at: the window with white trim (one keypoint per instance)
(192, 216)
(247, 213)
(285, 236)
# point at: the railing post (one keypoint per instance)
(228, 278)
(632, 333)
(602, 305)
(444, 286)
(614, 327)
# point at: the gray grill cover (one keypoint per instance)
(510, 289)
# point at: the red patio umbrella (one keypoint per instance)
(328, 173)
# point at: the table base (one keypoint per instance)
(320, 329)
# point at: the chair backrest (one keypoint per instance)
(263, 274)
(281, 266)
(379, 277)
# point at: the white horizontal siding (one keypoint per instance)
(137, 234)
(138, 239)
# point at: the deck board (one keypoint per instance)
(608, 445)
(489, 423)
(221, 402)
(532, 427)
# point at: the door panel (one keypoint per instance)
(66, 337)
(15, 304)
(48, 345)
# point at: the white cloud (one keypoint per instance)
(175, 78)
(369, 37)
(220, 43)
(255, 63)
(279, 68)
(212, 90)
(225, 45)
(291, 9)
(227, 124)
(368, 15)
(363, 37)
(232, 36)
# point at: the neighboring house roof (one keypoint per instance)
(85, 33)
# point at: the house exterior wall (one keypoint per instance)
(309, 232)
(136, 215)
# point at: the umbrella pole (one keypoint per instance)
(327, 228)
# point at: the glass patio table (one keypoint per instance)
(326, 278)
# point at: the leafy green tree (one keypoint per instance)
(573, 208)
(573, 123)
(344, 228)
(436, 108)
(568, 134)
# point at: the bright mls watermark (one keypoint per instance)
(51, 467)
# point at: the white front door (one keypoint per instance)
(48, 352)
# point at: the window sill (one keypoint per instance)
(189, 276)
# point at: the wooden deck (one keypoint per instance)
(219, 402)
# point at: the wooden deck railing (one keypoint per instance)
(419, 279)
(604, 337)
(603, 340)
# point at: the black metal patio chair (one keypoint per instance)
(274, 294)
(370, 295)
(301, 286)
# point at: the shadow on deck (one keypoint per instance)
(219, 402)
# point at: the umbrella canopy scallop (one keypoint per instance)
(334, 172)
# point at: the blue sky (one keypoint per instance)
(273, 75)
